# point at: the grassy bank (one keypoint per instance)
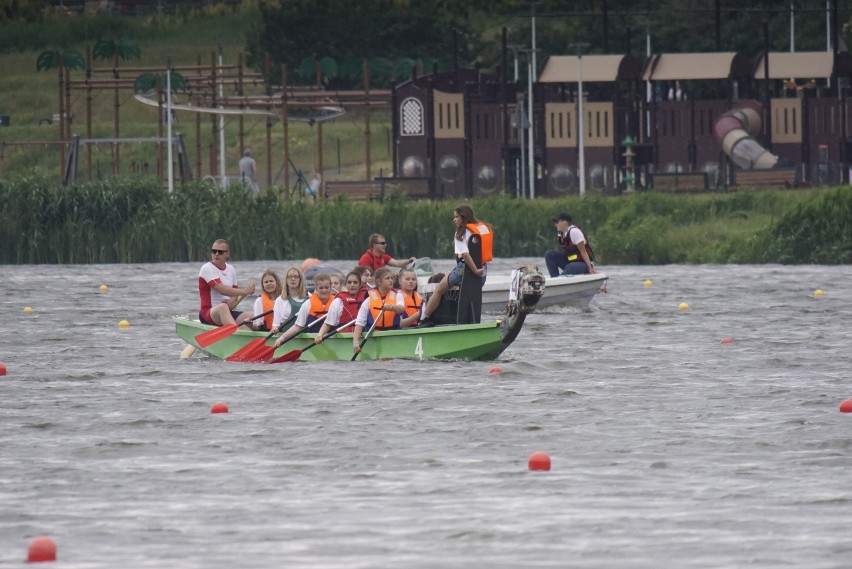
(133, 220)
(187, 38)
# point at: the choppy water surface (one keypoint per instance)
(669, 448)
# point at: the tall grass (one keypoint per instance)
(137, 220)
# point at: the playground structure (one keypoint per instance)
(668, 122)
(209, 92)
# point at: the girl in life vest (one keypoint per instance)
(344, 307)
(413, 302)
(466, 226)
(383, 307)
(294, 293)
(312, 310)
(270, 286)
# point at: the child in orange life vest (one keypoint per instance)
(413, 302)
(313, 309)
(383, 305)
(294, 293)
(344, 308)
(466, 225)
(271, 289)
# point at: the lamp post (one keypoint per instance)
(533, 71)
(531, 141)
(581, 145)
(170, 168)
(520, 122)
(530, 122)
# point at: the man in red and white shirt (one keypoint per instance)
(218, 289)
(376, 258)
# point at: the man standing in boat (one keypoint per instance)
(575, 255)
(375, 257)
(218, 289)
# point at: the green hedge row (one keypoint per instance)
(137, 220)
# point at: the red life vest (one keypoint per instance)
(351, 304)
(486, 234)
(387, 320)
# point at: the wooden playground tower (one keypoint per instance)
(214, 89)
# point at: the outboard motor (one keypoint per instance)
(525, 290)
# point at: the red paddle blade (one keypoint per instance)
(262, 354)
(290, 356)
(244, 354)
(206, 338)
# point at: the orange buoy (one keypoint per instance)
(2, 368)
(310, 262)
(726, 341)
(219, 408)
(495, 370)
(846, 406)
(41, 549)
(539, 461)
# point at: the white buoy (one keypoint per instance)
(187, 352)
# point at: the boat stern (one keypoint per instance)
(525, 291)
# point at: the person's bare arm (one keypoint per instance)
(581, 247)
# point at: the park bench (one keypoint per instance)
(776, 177)
(680, 182)
(358, 190)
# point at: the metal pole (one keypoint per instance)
(221, 124)
(580, 127)
(531, 139)
(827, 25)
(171, 167)
(792, 28)
(648, 88)
(522, 189)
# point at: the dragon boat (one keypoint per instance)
(459, 334)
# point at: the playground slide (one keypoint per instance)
(735, 130)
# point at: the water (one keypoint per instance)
(669, 448)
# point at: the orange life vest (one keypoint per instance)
(486, 234)
(387, 320)
(413, 302)
(318, 308)
(268, 304)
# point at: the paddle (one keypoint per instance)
(206, 338)
(247, 352)
(367, 335)
(187, 352)
(294, 355)
(266, 352)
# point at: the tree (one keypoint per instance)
(343, 30)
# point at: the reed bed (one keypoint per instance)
(137, 220)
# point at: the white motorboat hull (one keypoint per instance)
(575, 291)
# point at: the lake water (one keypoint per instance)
(669, 448)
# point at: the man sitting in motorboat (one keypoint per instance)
(575, 255)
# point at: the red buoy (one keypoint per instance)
(846, 406)
(2, 368)
(539, 461)
(726, 341)
(219, 408)
(495, 370)
(41, 549)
